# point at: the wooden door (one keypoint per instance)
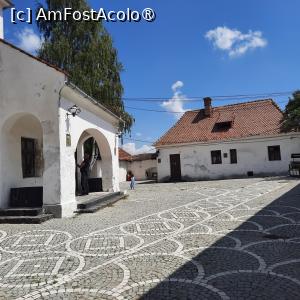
(175, 166)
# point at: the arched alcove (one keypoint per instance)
(21, 156)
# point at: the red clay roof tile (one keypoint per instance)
(260, 117)
(124, 156)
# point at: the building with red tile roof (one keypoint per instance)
(226, 141)
(124, 156)
(143, 166)
(261, 117)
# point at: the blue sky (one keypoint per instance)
(200, 48)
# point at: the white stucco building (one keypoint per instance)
(143, 166)
(3, 5)
(39, 137)
(229, 141)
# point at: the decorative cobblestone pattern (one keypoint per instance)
(237, 239)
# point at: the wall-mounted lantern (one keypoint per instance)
(74, 111)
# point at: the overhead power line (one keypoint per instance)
(152, 110)
(263, 132)
(181, 112)
(217, 98)
(141, 141)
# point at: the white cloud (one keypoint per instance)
(28, 40)
(138, 134)
(177, 85)
(234, 42)
(176, 103)
(133, 150)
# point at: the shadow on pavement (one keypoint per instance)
(258, 259)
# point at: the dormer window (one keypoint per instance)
(224, 121)
(222, 126)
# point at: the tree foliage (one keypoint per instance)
(291, 120)
(85, 50)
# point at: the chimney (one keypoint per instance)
(207, 106)
(3, 4)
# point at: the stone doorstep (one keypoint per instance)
(25, 219)
(37, 215)
(22, 211)
(95, 204)
(93, 200)
(24, 215)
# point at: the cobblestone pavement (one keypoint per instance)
(232, 239)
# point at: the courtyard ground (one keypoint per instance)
(230, 239)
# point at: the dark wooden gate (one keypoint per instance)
(175, 167)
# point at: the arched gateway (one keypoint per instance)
(39, 135)
(96, 145)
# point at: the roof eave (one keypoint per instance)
(8, 4)
(92, 100)
(241, 139)
(34, 57)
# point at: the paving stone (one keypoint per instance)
(230, 239)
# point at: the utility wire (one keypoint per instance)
(181, 112)
(263, 132)
(152, 110)
(135, 140)
(164, 111)
(217, 98)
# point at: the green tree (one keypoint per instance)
(291, 120)
(85, 51)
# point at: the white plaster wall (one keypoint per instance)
(1, 23)
(123, 169)
(106, 137)
(28, 86)
(252, 155)
(139, 168)
(3, 5)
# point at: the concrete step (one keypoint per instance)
(95, 204)
(22, 211)
(25, 219)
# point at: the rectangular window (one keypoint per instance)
(216, 157)
(28, 157)
(233, 156)
(274, 153)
